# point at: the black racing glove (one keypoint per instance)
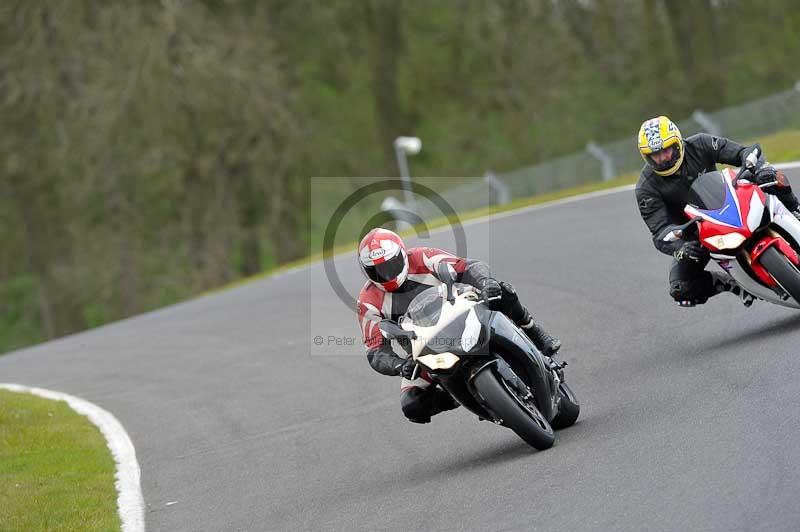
(753, 166)
(766, 174)
(406, 368)
(691, 251)
(491, 288)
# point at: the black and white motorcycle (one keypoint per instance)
(485, 361)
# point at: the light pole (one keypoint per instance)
(406, 146)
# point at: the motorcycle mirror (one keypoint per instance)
(447, 274)
(452, 271)
(391, 330)
(446, 271)
(678, 232)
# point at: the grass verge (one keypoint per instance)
(56, 473)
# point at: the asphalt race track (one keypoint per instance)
(690, 417)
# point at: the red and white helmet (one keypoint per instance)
(383, 259)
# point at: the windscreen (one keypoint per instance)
(425, 309)
(709, 191)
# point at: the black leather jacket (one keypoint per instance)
(661, 199)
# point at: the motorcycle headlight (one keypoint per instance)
(439, 360)
(729, 241)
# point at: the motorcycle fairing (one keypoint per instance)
(450, 327)
(741, 214)
(525, 360)
(463, 335)
(789, 228)
(727, 215)
(505, 350)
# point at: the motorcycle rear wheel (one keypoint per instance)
(782, 270)
(517, 413)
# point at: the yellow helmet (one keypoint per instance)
(659, 134)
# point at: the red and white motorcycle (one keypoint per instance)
(750, 234)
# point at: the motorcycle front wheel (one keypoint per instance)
(782, 270)
(517, 413)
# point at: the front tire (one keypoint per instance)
(782, 270)
(526, 421)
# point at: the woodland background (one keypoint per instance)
(153, 150)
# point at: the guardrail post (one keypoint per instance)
(706, 122)
(608, 170)
(500, 188)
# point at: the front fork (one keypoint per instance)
(772, 238)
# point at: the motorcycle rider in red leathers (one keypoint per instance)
(395, 276)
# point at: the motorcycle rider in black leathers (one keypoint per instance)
(663, 191)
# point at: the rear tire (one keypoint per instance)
(782, 270)
(526, 421)
(568, 409)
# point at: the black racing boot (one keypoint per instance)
(724, 283)
(442, 401)
(789, 200)
(547, 344)
(419, 405)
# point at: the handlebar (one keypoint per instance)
(761, 185)
(489, 299)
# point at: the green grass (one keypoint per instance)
(782, 147)
(56, 473)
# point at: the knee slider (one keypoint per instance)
(680, 291)
(688, 291)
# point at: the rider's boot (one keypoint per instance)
(442, 401)
(419, 405)
(724, 283)
(789, 199)
(791, 205)
(547, 344)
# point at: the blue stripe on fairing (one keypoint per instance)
(729, 213)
